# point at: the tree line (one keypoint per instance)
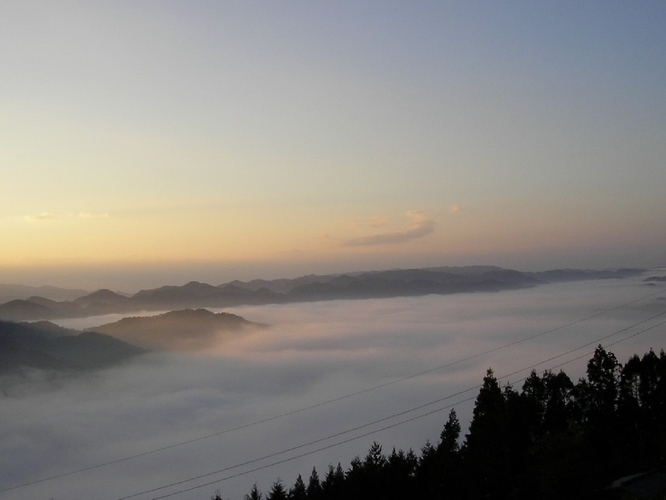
(554, 439)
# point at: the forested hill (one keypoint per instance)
(186, 330)
(359, 285)
(553, 439)
(46, 346)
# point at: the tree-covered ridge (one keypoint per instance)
(554, 439)
(356, 285)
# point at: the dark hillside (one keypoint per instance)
(48, 347)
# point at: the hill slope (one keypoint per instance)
(48, 347)
(186, 330)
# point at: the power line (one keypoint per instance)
(396, 424)
(329, 401)
(395, 415)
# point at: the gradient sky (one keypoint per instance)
(151, 142)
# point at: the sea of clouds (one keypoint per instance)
(313, 353)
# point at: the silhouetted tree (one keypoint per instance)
(399, 474)
(448, 480)
(448, 444)
(254, 494)
(602, 386)
(299, 491)
(558, 401)
(485, 443)
(598, 396)
(427, 472)
(314, 486)
(277, 491)
(550, 441)
(642, 409)
(332, 485)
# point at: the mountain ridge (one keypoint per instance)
(353, 285)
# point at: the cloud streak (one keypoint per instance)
(50, 216)
(421, 225)
(44, 216)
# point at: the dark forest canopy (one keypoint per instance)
(553, 439)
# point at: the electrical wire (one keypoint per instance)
(329, 401)
(395, 415)
(369, 433)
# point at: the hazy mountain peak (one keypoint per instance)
(354, 285)
(182, 330)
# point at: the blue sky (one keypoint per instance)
(216, 140)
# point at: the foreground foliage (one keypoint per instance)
(554, 439)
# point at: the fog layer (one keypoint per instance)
(312, 353)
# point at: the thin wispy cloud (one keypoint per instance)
(50, 216)
(422, 225)
(376, 221)
(454, 209)
(42, 217)
(88, 215)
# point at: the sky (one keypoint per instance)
(311, 354)
(158, 142)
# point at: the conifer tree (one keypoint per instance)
(446, 478)
(277, 491)
(401, 475)
(314, 486)
(485, 443)
(254, 494)
(374, 460)
(299, 491)
(450, 434)
(333, 482)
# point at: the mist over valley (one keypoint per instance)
(244, 241)
(310, 353)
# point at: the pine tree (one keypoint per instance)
(450, 434)
(299, 491)
(277, 491)
(558, 401)
(398, 478)
(314, 486)
(333, 482)
(255, 494)
(603, 381)
(374, 460)
(485, 443)
(446, 481)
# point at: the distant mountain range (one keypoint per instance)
(10, 292)
(358, 285)
(47, 346)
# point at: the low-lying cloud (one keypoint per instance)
(421, 225)
(312, 353)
